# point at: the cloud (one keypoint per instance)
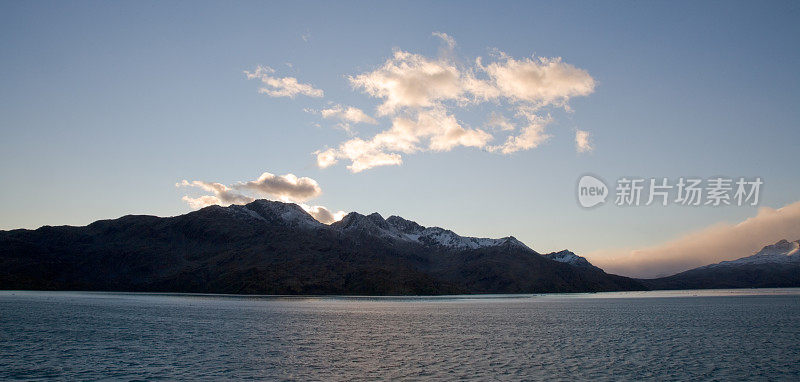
(539, 81)
(223, 195)
(531, 136)
(281, 86)
(326, 158)
(286, 188)
(449, 41)
(719, 242)
(345, 114)
(322, 214)
(582, 143)
(421, 97)
(431, 130)
(411, 80)
(498, 121)
(419, 100)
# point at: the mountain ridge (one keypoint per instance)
(774, 266)
(267, 247)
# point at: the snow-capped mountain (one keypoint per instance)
(373, 224)
(269, 211)
(268, 247)
(774, 266)
(782, 252)
(570, 258)
(398, 228)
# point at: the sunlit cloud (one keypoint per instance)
(582, 143)
(281, 86)
(432, 129)
(713, 244)
(346, 115)
(499, 121)
(421, 96)
(449, 41)
(411, 80)
(286, 188)
(322, 214)
(530, 135)
(222, 194)
(538, 81)
(419, 99)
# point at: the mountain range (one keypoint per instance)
(774, 266)
(268, 247)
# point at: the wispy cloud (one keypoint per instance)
(499, 121)
(281, 86)
(447, 39)
(582, 143)
(719, 242)
(346, 115)
(286, 188)
(222, 194)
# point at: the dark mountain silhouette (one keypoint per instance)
(774, 266)
(270, 247)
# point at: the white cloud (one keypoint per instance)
(432, 130)
(451, 42)
(411, 80)
(322, 214)
(281, 86)
(422, 97)
(422, 94)
(719, 242)
(287, 188)
(540, 82)
(345, 114)
(531, 135)
(326, 158)
(498, 121)
(582, 143)
(223, 195)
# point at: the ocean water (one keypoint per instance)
(707, 335)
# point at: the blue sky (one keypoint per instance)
(104, 106)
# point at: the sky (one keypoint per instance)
(475, 116)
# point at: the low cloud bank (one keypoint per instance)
(719, 242)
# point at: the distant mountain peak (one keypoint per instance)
(405, 225)
(774, 266)
(271, 211)
(568, 257)
(782, 252)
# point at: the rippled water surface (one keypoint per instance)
(719, 335)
